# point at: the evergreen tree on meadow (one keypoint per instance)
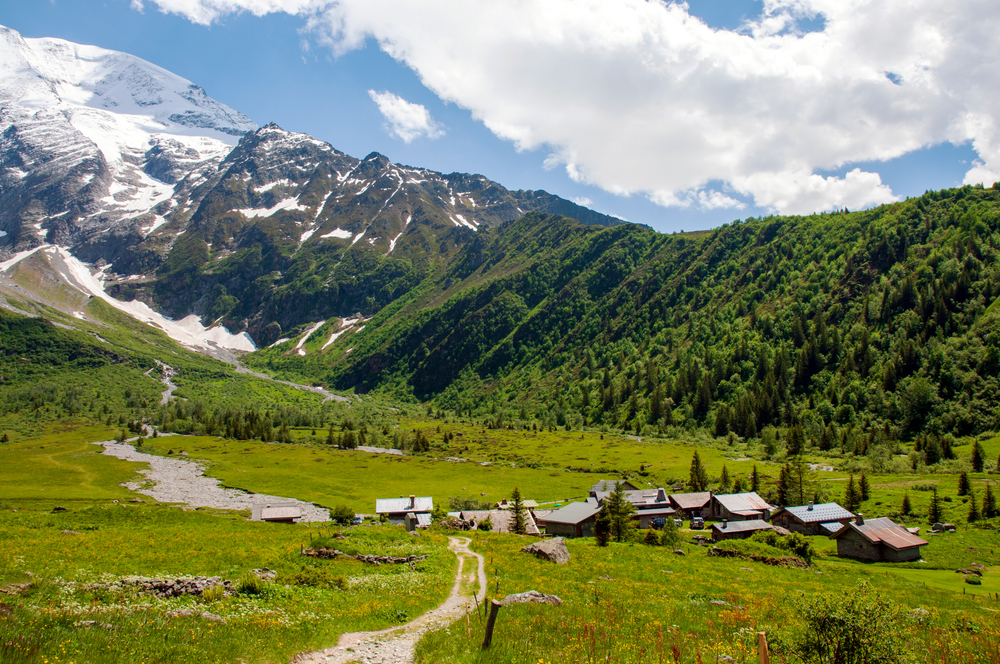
(698, 479)
(520, 525)
(620, 510)
(852, 498)
(905, 509)
(973, 508)
(651, 538)
(725, 482)
(978, 458)
(602, 526)
(670, 536)
(934, 511)
(795, 440)
(738, 486)
(989, 503)
(963, 484)
(864, 487)
(755, 479)
(783, 488)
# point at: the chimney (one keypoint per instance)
(810, 506)
(725, 523)
(860, 520)
(413, 501)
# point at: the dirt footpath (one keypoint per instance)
(396, 645)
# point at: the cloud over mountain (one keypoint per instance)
(642, 97)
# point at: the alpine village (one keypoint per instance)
(262, 401)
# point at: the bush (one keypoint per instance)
(858, 627)
(795, 543)
(251, 584)
(486, 524)
(213, 594)
(342, 514)
(316, 577)
(651, 538)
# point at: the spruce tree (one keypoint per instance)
(670, 535)
(725, 483)
(520, 524)
(602, 527)
(620, 509)
(973, 508)
(738, 486)
(795, 440)
(698, 479)
(864, 488)
(851, 495)
(934, 512)
(963, 484)
(754, 479)
(989, 503)
(905, 508)
(783, 489)
(978, 457)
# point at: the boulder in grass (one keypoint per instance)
(973, 580)
(553, 550)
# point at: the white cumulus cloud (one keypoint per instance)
(638, 96)
(405, 120)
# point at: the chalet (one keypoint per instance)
(822, 519)
(691, 504)
(609, 486)
(740, 507)
(877, 539)
(276, 512)
(573, 520)
(509, 504)
(641, 499)
(502, 521)
(738, 529)
(411, 512)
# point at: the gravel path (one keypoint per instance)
(181, 481)
(395, 645)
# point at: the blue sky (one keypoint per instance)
(271, 69)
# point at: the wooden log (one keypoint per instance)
(762, 652)
(491, 623)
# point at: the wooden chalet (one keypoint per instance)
(822, 519)
(877, 539)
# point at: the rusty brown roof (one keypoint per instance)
(886, 531)
(687, 501)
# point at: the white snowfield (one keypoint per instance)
(188, 331)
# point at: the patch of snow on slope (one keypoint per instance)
(3, 233)
(347, 324)
(287, 204)
(305, 337)
(271, 185)
(338, 233)
(188, 331)
(17, 258)
(279, 342)
(306, 235)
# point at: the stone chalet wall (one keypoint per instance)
(905, 555)
(853, 545)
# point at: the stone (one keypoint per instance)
(680, 552)
(973, 580)
(70, 532)
(553, 550)
(59, 508)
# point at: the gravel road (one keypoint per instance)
(173, 480)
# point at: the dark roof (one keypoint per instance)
(573, 513)
(742, 526)
(687, 501)
(639, 498)
(824, 512)
(884, 530)
(747, 503)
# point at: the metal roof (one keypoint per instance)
(423, 519)
(609, 485)
(818, 513)
(659, 511)
(743, 502)
(742, 526)
(832, 527)
(280, 513)
(687, 501)
(402, 505)
(502, 520)
(886, 531)
(573, 513)
(640, 497)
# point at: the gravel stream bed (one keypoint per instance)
(182, 481)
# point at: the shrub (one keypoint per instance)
(213, 594)
(486, 524)
(858, 627)
(251, 584)
(670, 535)
(342, 514)
(316, 577)
(652, 538)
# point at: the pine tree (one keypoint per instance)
(652, 538)
(520, 526)
(620, 509)
(754, 479)
(725, 482)
(963, 484)
(698, 479)
(989, 503)
(783, 481)
(795, 440)
(602, 527)
(934, 512)
(973, 509)
(905, 508)
(864, 488)
(851, 496)
(738, 486)
(978, 458)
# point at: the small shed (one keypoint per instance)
(740, 507)
(738, 529)
(810, 519)
(276, 512)
(877, 539)
(609, 486)
(397, 509)
(573, 520)
(691, 504)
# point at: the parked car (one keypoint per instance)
(697, 523)
(659, 522)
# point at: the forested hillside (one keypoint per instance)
(862, 328)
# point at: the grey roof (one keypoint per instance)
(609, 485)
(742, 526)
(502, 520)
(686, 501)
(832, 527)
(639, 498)
(402, 505)
(823, 512)
(573, 513)
(280, 513)
(743, 502)
(423, 519)
(658, 511)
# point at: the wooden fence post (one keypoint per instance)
(490, 623)
(762, 653)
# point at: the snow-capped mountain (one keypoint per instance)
(92, 141)
(181, 205)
